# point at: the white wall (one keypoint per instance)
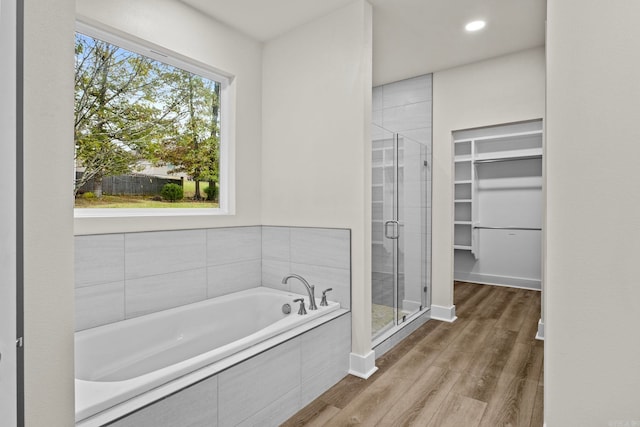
(316, 138)
(592, 328)
(48, 215)
(501, 90)
(178, 28)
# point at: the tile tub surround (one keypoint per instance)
(125, 275)
(264, 390)
(320, 255)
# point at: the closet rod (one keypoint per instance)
(508, 159)
(508, 228)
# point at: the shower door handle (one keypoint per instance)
(395, 229)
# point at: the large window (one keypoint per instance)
(147, 129)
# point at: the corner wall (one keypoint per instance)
(506, 89)
(592, 328)
(316, 166)
(48, 215)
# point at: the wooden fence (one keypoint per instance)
(137, 185)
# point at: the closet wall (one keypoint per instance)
(498, 205)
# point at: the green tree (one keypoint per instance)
(116, 116)
(193, 147)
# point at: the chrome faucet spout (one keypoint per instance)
(310, 288)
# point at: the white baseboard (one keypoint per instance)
(362, 366)
(446, 314)
(488, 279)
(540, 333)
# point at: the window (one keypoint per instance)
(148, 129)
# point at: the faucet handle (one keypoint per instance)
(302, 309)
(324, 302)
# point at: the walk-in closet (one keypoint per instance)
(498, 195)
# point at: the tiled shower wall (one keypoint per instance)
(405, 107)
(120, 276)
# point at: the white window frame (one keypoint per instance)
(226, 205)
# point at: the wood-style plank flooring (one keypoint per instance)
(485, 369)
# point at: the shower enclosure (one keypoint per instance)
(401, 235)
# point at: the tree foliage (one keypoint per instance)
(193, 145)
(130, 109)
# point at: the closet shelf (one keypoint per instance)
(462, 201)
(462, 247)
(511, 227)
(462, 222)
(466, 181)
(498, 137)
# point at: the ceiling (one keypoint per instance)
(410, 37)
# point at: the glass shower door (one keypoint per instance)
(413, 192)
(399, 229)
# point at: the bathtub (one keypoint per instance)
(120, 361)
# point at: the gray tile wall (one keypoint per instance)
(99, 276)
(267, 389)
(194, 406)
(323, 358)
(405, 107)
(233, 259)
(259, 383)
(262, 391)
(120, 276)
(322, 256)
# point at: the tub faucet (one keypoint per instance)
(310, 289)
(301, 301)
(324, 297)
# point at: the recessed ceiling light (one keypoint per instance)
(475, 26)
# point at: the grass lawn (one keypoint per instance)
(189, 188)
(139, 202)
(126, 201)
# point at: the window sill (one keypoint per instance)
(128, 213)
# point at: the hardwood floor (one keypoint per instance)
(485, 369)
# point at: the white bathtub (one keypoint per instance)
(122, 360)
